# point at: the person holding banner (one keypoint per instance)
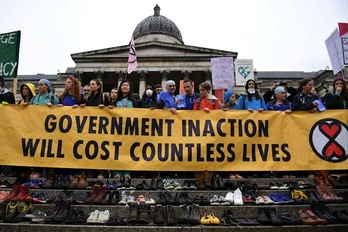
(149, 98)
(230, 100)
(305, 99)
(166, 99)
(6, 96)
(27, 92)
(96, 97)
(251, 100)
(338, 99)
(290, 91)
(113, 96)
(190, 96)
(279, 103)
(45, 96)
(207, 101)
(71, 95)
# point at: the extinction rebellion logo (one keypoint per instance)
(329, 140)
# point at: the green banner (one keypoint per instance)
(9, 53)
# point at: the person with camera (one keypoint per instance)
(290, 91)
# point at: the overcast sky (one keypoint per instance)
(279, 35)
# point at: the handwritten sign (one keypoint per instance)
(222, 71)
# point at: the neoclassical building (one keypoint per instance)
(163, 55)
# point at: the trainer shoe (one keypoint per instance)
(103, 217)
(93, 217)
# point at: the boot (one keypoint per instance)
(101, 195)
(171, 220)
(183, 214)
(93, 195)
(153, 184)
(11, 211)
(214, 183)
(144, 213)
(133, 212)
(23, 194)
(262, 218)
(207, 179)
(23, 209)
(195, 215)
(199, 180)
(15, 191)
(63, 212)
(158, 215)
(74, 182)
(82, 182)
(271, 213)
(50, 178)
(57, 206)
(326, 178)
(319, 178)
(2, 210)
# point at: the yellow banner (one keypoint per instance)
(143, 139)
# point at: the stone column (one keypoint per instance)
(164, 75)
(142, 82)
(120, 77)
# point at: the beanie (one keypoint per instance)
(278, 90)
(46, 82)
(339, 78)
(227, 95)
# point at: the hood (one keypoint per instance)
(212, 97)
(31, 88)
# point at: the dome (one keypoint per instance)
(157, 25)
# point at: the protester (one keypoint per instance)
(6, 96)
(45, 96)
(279, 103)
(251, 100)
(158, 89)
(207, 101)
(149, 98)
(71, 95)
(230, 101)
(113, 96)
(96, 97)
(305, 99)
(27, 92)
(338, 99)
(190, 96)
(166, 99)
(86, 91)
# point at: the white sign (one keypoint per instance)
(244, 71)
(334, 48)
(345, 50)
(222, 72)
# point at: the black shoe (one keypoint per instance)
(160, 198)
(321, 211)
(180, 198)
(262, 218)
(272, 215)
(158, 219)
(185, 185)
(160, 184)
(153, 184)
(183, 214)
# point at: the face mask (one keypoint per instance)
(149, 92)
(251, 90)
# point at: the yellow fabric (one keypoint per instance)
(143, 139)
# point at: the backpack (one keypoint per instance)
(199, 102)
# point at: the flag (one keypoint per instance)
(132, 58)
(343, 28)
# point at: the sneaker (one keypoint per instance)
(37, 216)
(168, 184)
(124, 198)
(150, 201)
(215, 200)
(103, 217)
(223, 201)
(34, 214)
(229, 197)
(23, 209)
(93, 217)
(11, 211)
(276, 198)
(4, 195)
(42, 198)
(131, 197)
(237, 197)
(176, 185)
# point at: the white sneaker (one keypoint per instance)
(168, 184)
(131, 197)
(229, 197)
(150, 201)
(237, 198)
(103, 217)
(124, 197)
(215, 200)
(176, 185)
(93, 217)
(223, 201)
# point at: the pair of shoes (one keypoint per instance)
(237, 197)
(126, 198)
(228, 219)
(322, 212)
(201, 200)
(268, 216)
(76, 216)
(309, 218)
(189, 214)
(156, 184)
(189, 184)
(171, 184)
(19, 193)
(299, 197)
(219, 200)
(263, 200)
(97, 196)
(142, 186)
(100, 217)
(182, 198)
(209, 219)
(290, 219)
(164, 198)
(280, 198)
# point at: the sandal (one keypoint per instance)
(306, 219)
(317, 219)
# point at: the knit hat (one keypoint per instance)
(170, 82)
(278, 90)
(46, 82)
(227, 95)
(339, 78)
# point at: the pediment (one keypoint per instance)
(153, 49)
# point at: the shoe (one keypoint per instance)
(290, 219)
(194, 214)
(183, 214)
(205, 219)
(229, 197)
(93, 217)
(185, 185)
(160, 184)
(11, 211)
(214, 220)
(15, 191)
(42, 198)
(276, 198)
(170, 219)
(94, 194)
(262, 217)
(317, 219)
(158, 219)
(131, 197)
(37, 216)
(237, 197)
(103, 217)
(74, 182)
(169, 198)
(272, 215)
(4, 195)
(160, 198)
(168, 185)
(223, 201)
(64, 212)
(23, 209)
(23, 194)
(2, 210)
(133, 213)
(176, 185)
(214, 200)
(124, 198)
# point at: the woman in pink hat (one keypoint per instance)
(338, 99)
